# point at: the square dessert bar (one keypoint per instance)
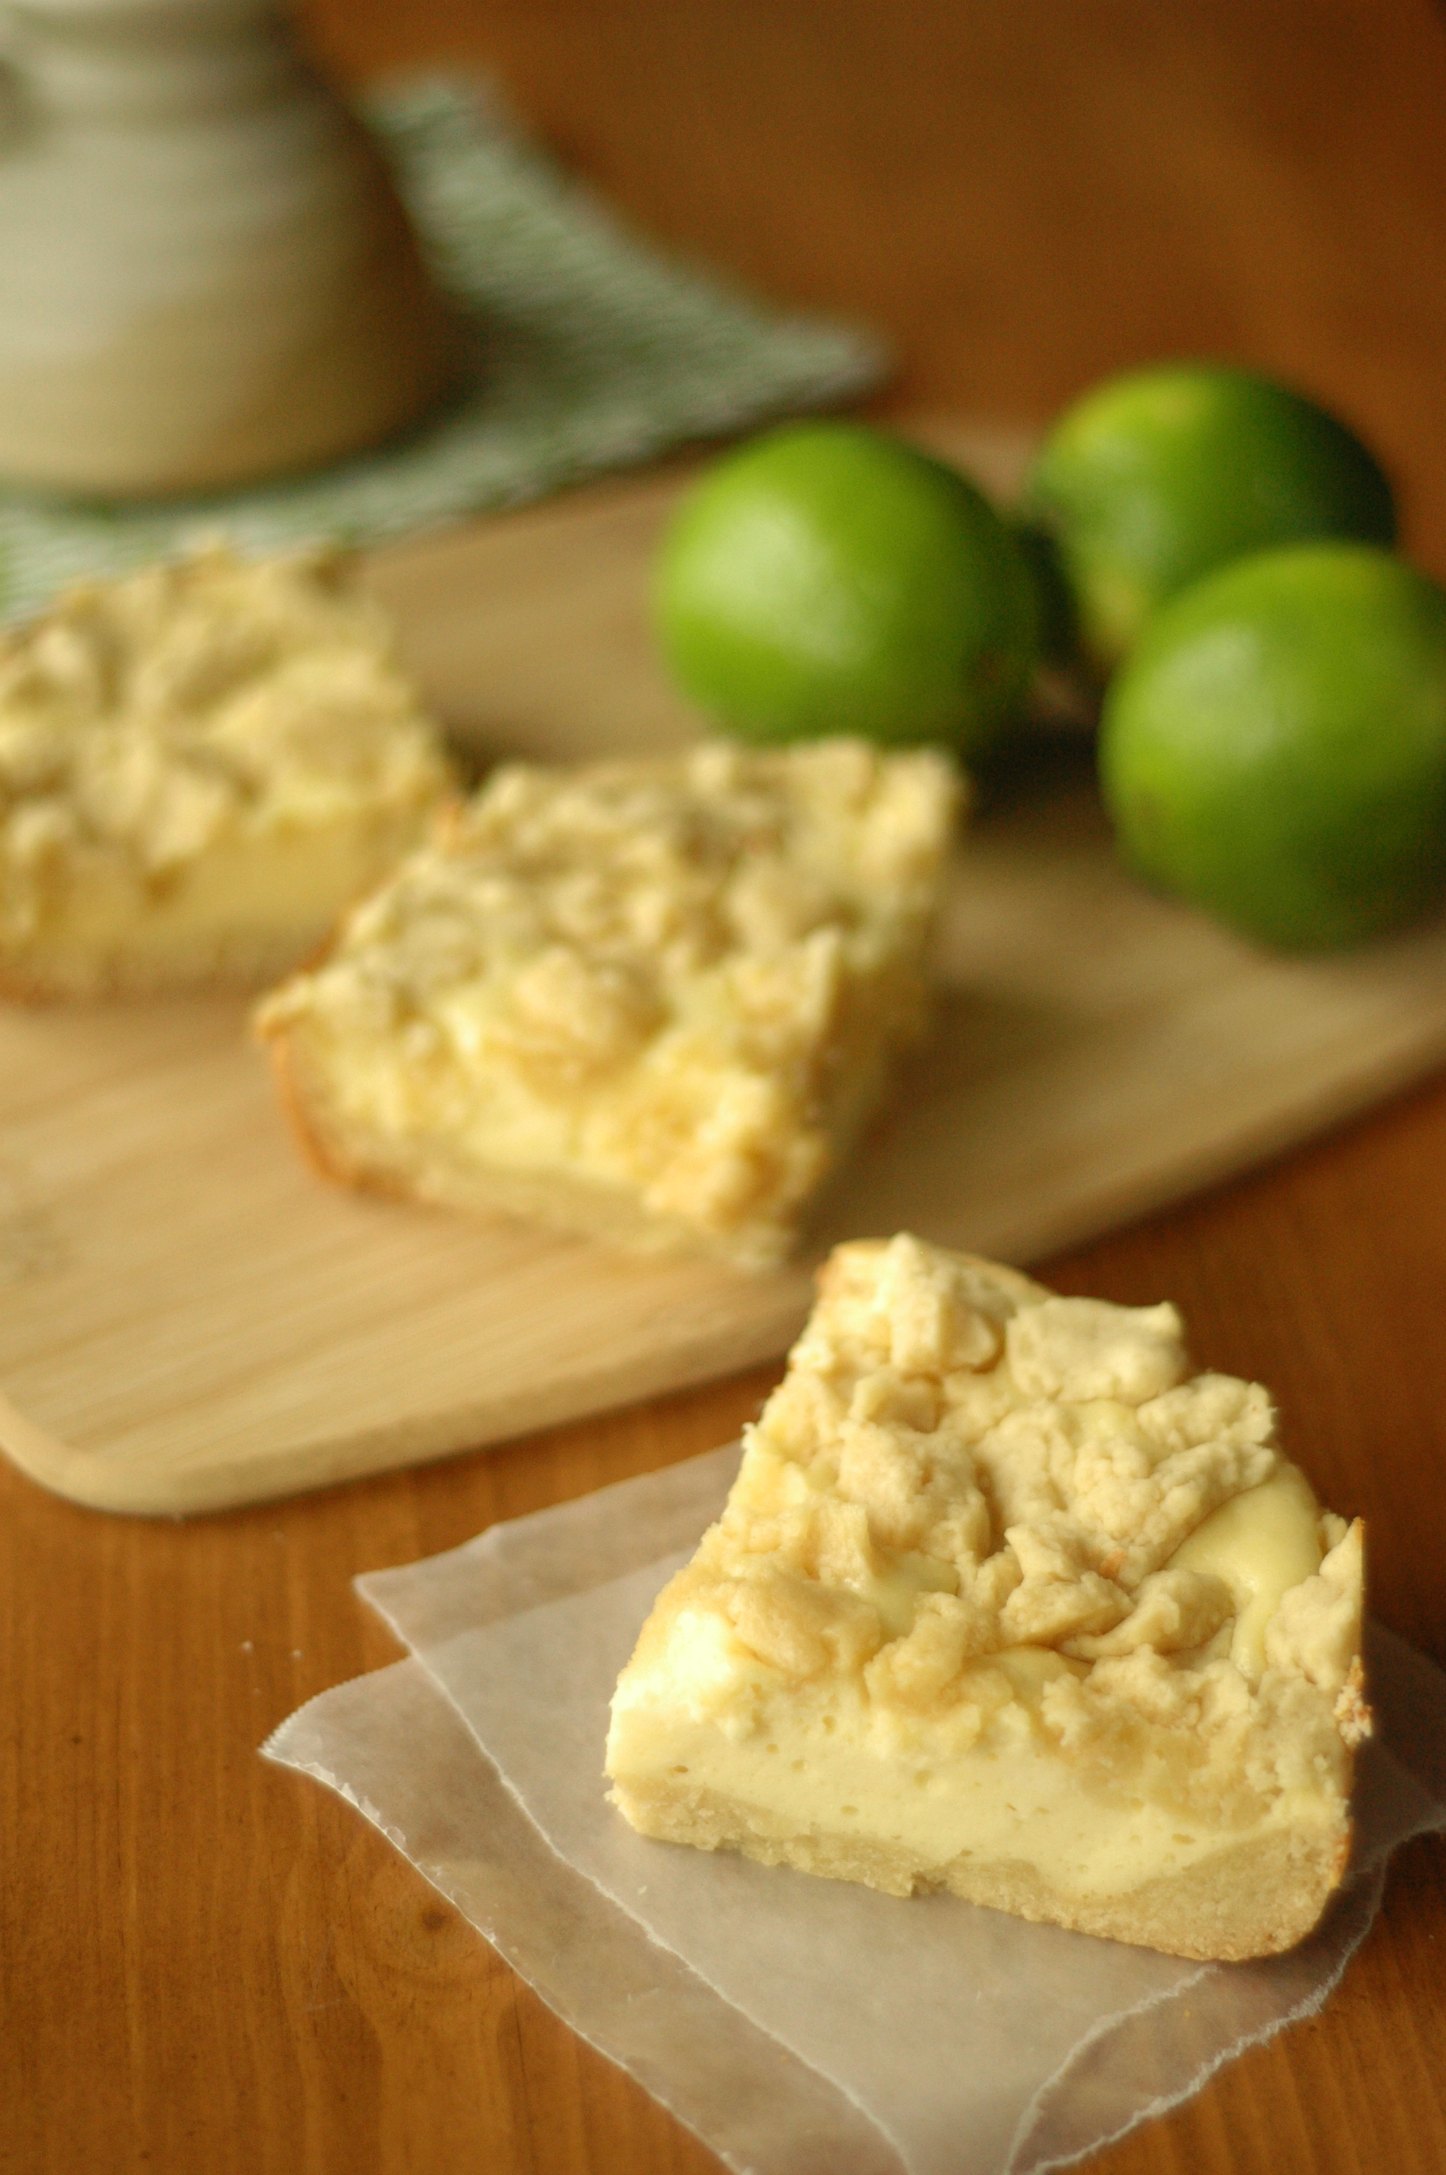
(1008, 1600)
(201, 764)
(652, 999)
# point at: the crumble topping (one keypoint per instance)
(559, 916)
(962, 1475)
(144, 717)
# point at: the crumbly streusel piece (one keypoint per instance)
(651, 998)
(201, 765)
(1008, 1600)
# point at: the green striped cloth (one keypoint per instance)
(594, 350)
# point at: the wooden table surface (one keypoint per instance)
(209, 1966)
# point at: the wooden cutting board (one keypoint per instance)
(188, 1319)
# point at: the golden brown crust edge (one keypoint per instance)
(118, 980)
(571, 1210)
(1257, 1898)
(321, 1148)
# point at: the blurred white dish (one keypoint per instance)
(205, 275)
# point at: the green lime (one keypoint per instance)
(1274, 748)
(828, 578)
(1156, 477)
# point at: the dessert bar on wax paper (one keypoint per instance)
(1007, 1599)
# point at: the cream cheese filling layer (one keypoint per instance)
(1261, 1543)
(821, 1769)
(689, 1120)
(284, 885)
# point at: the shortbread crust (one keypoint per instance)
(1006, 1600)
(201, 764)
(649, 998)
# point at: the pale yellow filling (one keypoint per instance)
(687, 1123)
(1011, 1800)
(273, 889)
(1261, 1543)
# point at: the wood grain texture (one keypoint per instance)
(192, 1319)
(209, 1965)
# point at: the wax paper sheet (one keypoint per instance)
(795, 2024)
